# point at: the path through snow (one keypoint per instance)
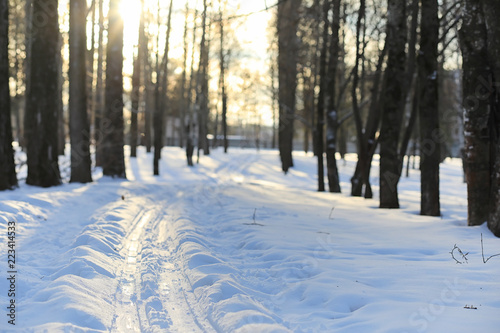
(233, 245)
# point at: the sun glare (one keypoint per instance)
(130, 12)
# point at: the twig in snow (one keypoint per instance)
(254, 221)
(482, 252)
(331, 212)
(464, 256)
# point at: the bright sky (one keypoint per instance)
(251, 32)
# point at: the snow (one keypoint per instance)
(234, 245)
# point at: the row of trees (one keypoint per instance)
(399, 85)
(96, 86)
(43, 99)
(382, 122)
(384, 89)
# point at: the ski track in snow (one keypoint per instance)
(233, 245)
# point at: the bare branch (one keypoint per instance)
(464, 256)
(482, 252)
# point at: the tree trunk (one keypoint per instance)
(332, 115)
(90, 64)
(60, 107)
(476, 94)
(392, 104)
(491, 10)
(78, 122)
(98, 106)
(369, 142)
(148, 84)
(287, 72)
(135, 96)
(112, 151)
(357, 179)
(430, 155)
(409, 82)
(160, 98)
(320, 122)
(183, 113)
(136, 88)
(41, 101)
(202, 87)
(193, 83)
(8, 178)
(223, 84)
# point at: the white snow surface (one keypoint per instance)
(234, 245)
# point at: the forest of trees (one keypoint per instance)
(403, 79)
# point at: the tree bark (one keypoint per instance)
(8, 178)
(112, 127)
(332, 114)
(61, 135)
(193, 83)
(78, 122)
(161, 98)
(136, 90)
(98, 106)
(183, 113)
(202, 87)
(476, 103)
(391, 104)
(223, 84)
(491, 10)
(41, 101)
(287, 76)
(430, 154)
(357, 179)
(320, 122)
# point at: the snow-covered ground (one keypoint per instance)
(234, 245)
